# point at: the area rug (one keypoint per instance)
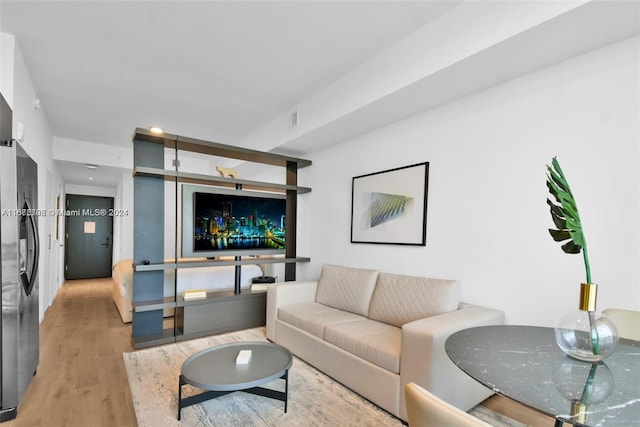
(314, 398)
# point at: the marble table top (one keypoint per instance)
(525, 364)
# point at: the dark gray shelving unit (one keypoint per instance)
(219, 311)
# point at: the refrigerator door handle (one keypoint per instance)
(28, 279)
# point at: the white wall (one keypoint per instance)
(15, 81)
(7, 60)
(123, 225)
(89, 190)
(404, 65)
(487, 217)
(73, 150)
(83, 152)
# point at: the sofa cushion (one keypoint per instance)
(346, 288)
(402, 299)
(312, 317)
(373, 341)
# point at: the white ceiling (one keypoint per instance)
(78, 174)
(214, 70)
(220, 70)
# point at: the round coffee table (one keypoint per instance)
(215, 370)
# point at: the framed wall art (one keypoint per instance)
(390, 207)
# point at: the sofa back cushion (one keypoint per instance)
(402, 299)
(346, 288)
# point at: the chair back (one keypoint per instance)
(424, 409)
(627, 322)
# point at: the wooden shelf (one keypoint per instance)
(151, 305)
(196, 178)
(218, 296)
(220, 311)
(178, 300)
(167, 336)
(215, 263)
(217, 149)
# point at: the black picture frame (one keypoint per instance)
(390, 207)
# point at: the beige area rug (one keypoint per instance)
(314, 398)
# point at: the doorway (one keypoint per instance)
(89, 237)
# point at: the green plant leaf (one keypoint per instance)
(564, 213)
(559, 221)
(555, 210)
(559, 235)
(565, 217)
(571, 248)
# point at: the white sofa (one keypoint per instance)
(375, 332)
(218, 278)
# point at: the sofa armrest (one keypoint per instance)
(424, 361)
(286, 293)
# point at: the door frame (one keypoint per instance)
(69, 213)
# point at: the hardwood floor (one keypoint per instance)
(518, 412)
(81, 379)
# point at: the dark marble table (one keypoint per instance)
(525, 364)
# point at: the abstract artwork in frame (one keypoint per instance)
(390, 207)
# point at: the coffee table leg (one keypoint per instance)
(180, 383)
(286, 390)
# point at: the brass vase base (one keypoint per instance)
(583, 335)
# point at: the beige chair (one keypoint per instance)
(627, 322)
(426, 410)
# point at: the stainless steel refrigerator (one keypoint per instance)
(19, 325)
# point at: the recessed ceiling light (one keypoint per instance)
(90, 178)
(90, 166)
(155, 129)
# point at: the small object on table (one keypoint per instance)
(243, 357)
(227, 172)
(260, 283)
(194, 294)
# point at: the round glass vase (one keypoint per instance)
(584, 334)
(582, 384)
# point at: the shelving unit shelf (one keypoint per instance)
(219, 311)
(212, 263)
(196, 178)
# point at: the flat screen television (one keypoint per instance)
(219, 221)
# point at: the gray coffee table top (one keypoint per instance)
(215, 368)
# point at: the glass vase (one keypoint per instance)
(583, 385)
(587, 383)
(586, 335)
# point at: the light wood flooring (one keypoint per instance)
(81, 379)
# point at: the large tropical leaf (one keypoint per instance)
(564, 213)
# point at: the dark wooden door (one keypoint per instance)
(89, 237)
